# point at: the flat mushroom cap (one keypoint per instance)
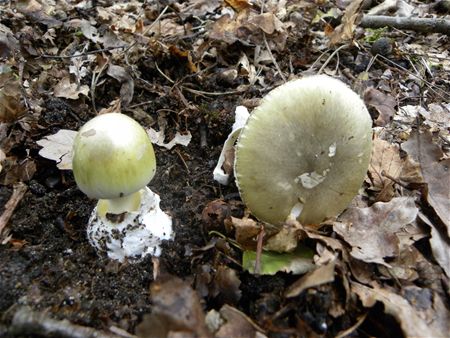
(308, 144)
(112, 157)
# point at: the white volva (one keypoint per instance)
(138, 234)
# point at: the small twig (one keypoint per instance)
(149, 27)
(203, 136)
(10, 206)
(383, 7)
(22, 88)
(201, 92)
(393, 179)
(140, 104)
(94, 82)
(330, 57)
(162, 73)
(259, 246)
(318, 60)
(166, 110)
(263, 3)
(81, 54)
(26, 322)
(427, 25)
(429, 56)
(273, 58)
(354, 327)
(182, 160)
(430, 85)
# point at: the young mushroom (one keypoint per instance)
(113, 161)
(304, 151)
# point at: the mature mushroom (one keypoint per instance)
(113, 161)
(304, 151)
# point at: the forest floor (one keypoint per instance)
(182, 67)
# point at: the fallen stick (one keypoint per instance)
(27, 322)
(427, 25)
(10, 206)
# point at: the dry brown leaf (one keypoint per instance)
(11, 106)
(344, 31)
(384, 105)
(285, 240)
(236, 324)
(246, 231)
(403, 267)
(68, 90)
(198, 8)
(267, 22)
(440, 245)
(176, 309)
(185, 55)
(37, 12)
(330, 242)
(115, 106)
(17, 171)
(127, 89)
(248, 70)
(249, 27)
(8, 43)
(319, 276)
(225, 28)
(439, 116)
(58, 147)
(238, 5)
(410, 319)
(169, 28)
(372, 231)
(385, 159)
(435, 171)
(411, 172)
(226, 286)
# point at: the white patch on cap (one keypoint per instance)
(311, 180)
(332, 150)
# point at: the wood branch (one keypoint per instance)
(427, 25)
(26, 322)
(383, 7)
(10, 206)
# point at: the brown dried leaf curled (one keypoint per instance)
(11, 105)
(435, 171)
(69, 90)
(385, 159)
(176, 310)
(372, 231)
(382, 103)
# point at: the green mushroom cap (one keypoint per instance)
(112, 157)
(304, 151)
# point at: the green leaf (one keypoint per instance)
(296, 262)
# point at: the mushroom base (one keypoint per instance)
(132, 235)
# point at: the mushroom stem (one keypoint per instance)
(119, 205)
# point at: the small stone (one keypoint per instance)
(382, 46)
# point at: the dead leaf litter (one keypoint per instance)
(186, 71)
